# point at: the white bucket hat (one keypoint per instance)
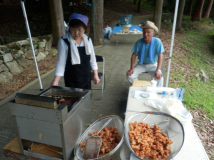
(148, 24)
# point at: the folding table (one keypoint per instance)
(118, 30)
(192, 148)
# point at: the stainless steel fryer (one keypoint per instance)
(60, 127)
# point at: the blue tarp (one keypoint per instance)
(118, 28)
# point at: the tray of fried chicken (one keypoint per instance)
(111, 135)
(149, 136)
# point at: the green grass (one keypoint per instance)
(186, 18)
(198, 93)
(212, 157)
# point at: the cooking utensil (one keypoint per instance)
(93, 144)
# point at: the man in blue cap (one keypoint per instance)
(149, 50)
(107, 31)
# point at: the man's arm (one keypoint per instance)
(158, 74)
(131, 71)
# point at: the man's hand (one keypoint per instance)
(130, 72)
(157, 75)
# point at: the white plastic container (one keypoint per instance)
(184, 116)
(153, 83)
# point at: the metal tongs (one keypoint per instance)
(93, 144)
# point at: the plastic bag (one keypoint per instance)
(157, 103)
(168, 105)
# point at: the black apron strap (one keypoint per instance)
(79, 75)
(66, 41)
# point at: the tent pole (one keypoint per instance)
(31, 43)
(172, 40)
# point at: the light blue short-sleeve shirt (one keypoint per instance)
(107, 30)
(158, 49)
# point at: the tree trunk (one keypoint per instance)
(158, 13)
(96, 29)
(208, 9)
(139, 6)
(180, 14)
(135, 2)
(198, 10)
(190, 7)
(57, 20)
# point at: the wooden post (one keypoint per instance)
(96, 29)
(158, 13)
(57, 20)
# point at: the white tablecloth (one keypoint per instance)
(192, 148)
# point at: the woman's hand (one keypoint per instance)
(54, 84)
(96, 77)
(96, 80)
(55, 81)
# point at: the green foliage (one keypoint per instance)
(37, 44)
(198, 93)
(15, 47)
(168, 6)
(184, 18)
(148, 4)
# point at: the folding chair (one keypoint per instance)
(101, 75)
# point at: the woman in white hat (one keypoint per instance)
(149, 50)
(76, 56)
